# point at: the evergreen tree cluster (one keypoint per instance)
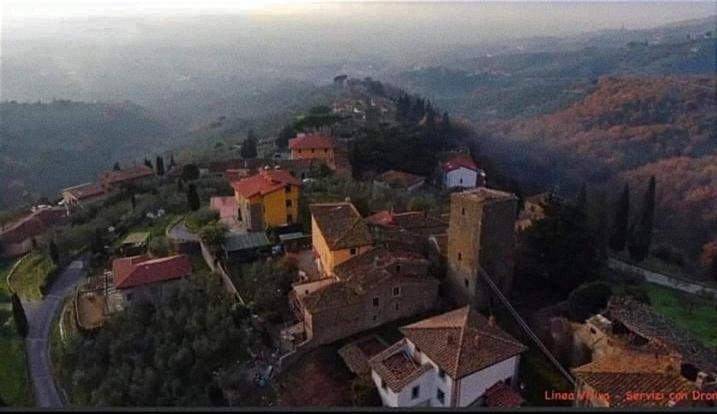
(172, 354)
(635, 233)
(248, 148)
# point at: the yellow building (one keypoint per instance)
(313, 147)
(338, 233)
(267, 199)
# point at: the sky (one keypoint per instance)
(20, 9)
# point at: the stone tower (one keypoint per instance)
(481, 232)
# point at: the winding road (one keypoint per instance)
(40, 316)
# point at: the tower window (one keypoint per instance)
(460, 256)
(466, 282)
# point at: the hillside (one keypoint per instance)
(511, 83)
(47, 146)
(629, 129)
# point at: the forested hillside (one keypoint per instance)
(629, 129)
(47, 146)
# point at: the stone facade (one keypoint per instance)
(481, 232)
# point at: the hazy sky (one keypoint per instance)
(69, 8)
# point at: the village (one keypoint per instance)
(392, 289)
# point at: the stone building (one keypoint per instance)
(368, 290)
(480, 235)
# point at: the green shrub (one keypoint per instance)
(588, 299)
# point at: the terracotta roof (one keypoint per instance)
(84, 191)
(341, 225)
(462, 341)
(359, 275)
(265, 182)
(503, 396)
(311, 141)
(662, 332)
(396, 368)
(383, 218)
(618, 385)
(126, 174)
(617, 374)
(32, 225)
(141, 270)
(485, 195)
(456, 161)
(226, 206)
(400, 178)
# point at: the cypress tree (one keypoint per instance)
(193, 198)
(116, 167)
(148, 163)
(248, 147)
(18, 313)
(446, 123)
(172, 164)
(134, 201)
(641, 233)
(159, 163)
(54, 252)
(618, 237)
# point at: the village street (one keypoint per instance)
(41, 315)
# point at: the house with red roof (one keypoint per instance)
(313, 147)
(83, 194)
(456, 359)
(228, 210)
(269, 198)
(18, 237)
(458, 170)
(111, 179)
(141, 278)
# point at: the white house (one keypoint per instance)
(459, 171)
(457, 359)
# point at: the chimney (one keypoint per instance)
(491, 321)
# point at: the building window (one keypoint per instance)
(398, 268)
(375, 301)
(441, 374)
(352, 251)
(288, 203)
(461, 181)
(312, 150)
(289, 218)
(466, 282)
(396, 291)
(129, 297)
(287, 189)
(326, 150)
(415, 392)
(375, 317)
(460, 256)
(440, 396)
(463, 211)
(395, 306)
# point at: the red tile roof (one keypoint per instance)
(141, 270)
(311, 141)
(32, 225)
(85, 191)
(383, 218)
(265, 182)
(503, 396)
(462, 341)
(126, 174)
(457, 161)
(341, 225)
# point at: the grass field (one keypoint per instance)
(31, 274)
(697, 315)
